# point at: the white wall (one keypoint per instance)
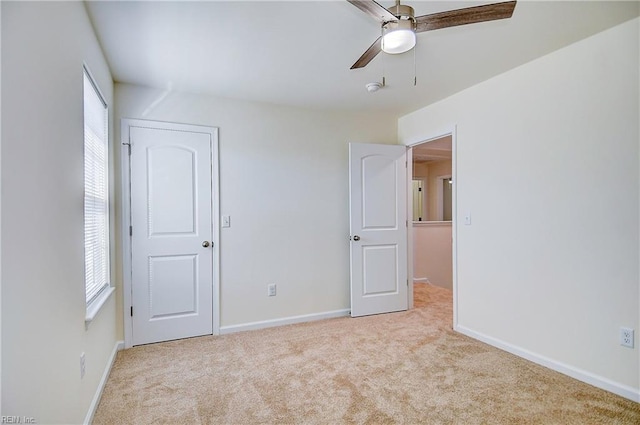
(43, 302)
(549, 266)
(432, 258)
(284, 182)
(0, 219)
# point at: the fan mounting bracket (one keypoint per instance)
(401, 11)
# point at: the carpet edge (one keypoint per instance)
(587, 377)
(93, 407)
(284, 321)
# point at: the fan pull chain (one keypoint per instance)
(383, 55)
(415, 72)
(383, 78)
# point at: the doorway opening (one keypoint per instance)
(432, 223)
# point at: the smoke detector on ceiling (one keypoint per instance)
(373, 87)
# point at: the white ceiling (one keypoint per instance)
(299, 52)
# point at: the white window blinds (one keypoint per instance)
(96, 191)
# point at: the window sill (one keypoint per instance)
(96, 305)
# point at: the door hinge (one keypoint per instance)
(131, 311)
(130, 230)
(407, 282)
(419, 189)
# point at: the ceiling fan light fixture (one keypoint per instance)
(398, 37)
(402, 17)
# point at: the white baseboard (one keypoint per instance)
(284, 321)
(574, 372)
(421, 279)
(103, 381)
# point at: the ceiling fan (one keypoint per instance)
(399, 26)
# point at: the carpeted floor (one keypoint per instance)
(425, 294)
(407, 367)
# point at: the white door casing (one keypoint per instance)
(174, 241)
(378, 224)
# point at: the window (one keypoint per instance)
(96, 192)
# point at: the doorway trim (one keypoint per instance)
(125, 198)
(454, 220)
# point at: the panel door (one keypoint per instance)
(172, 233)
(378, 225)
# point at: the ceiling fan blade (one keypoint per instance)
(469, 15)
(368, 56)
(373, 9)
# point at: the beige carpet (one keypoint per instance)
(407, 367)
(425, 294)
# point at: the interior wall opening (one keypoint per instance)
(432, 225)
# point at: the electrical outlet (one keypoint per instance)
(271, 289)
(626, 337)
(82, 365)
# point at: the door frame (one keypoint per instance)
(454, 221)
(125, 173)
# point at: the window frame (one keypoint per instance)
(96, 299)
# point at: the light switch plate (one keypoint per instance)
(226, 221)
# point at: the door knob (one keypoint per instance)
(356, 238)
(205, 244)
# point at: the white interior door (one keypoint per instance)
(172, 233)
(378, 222)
